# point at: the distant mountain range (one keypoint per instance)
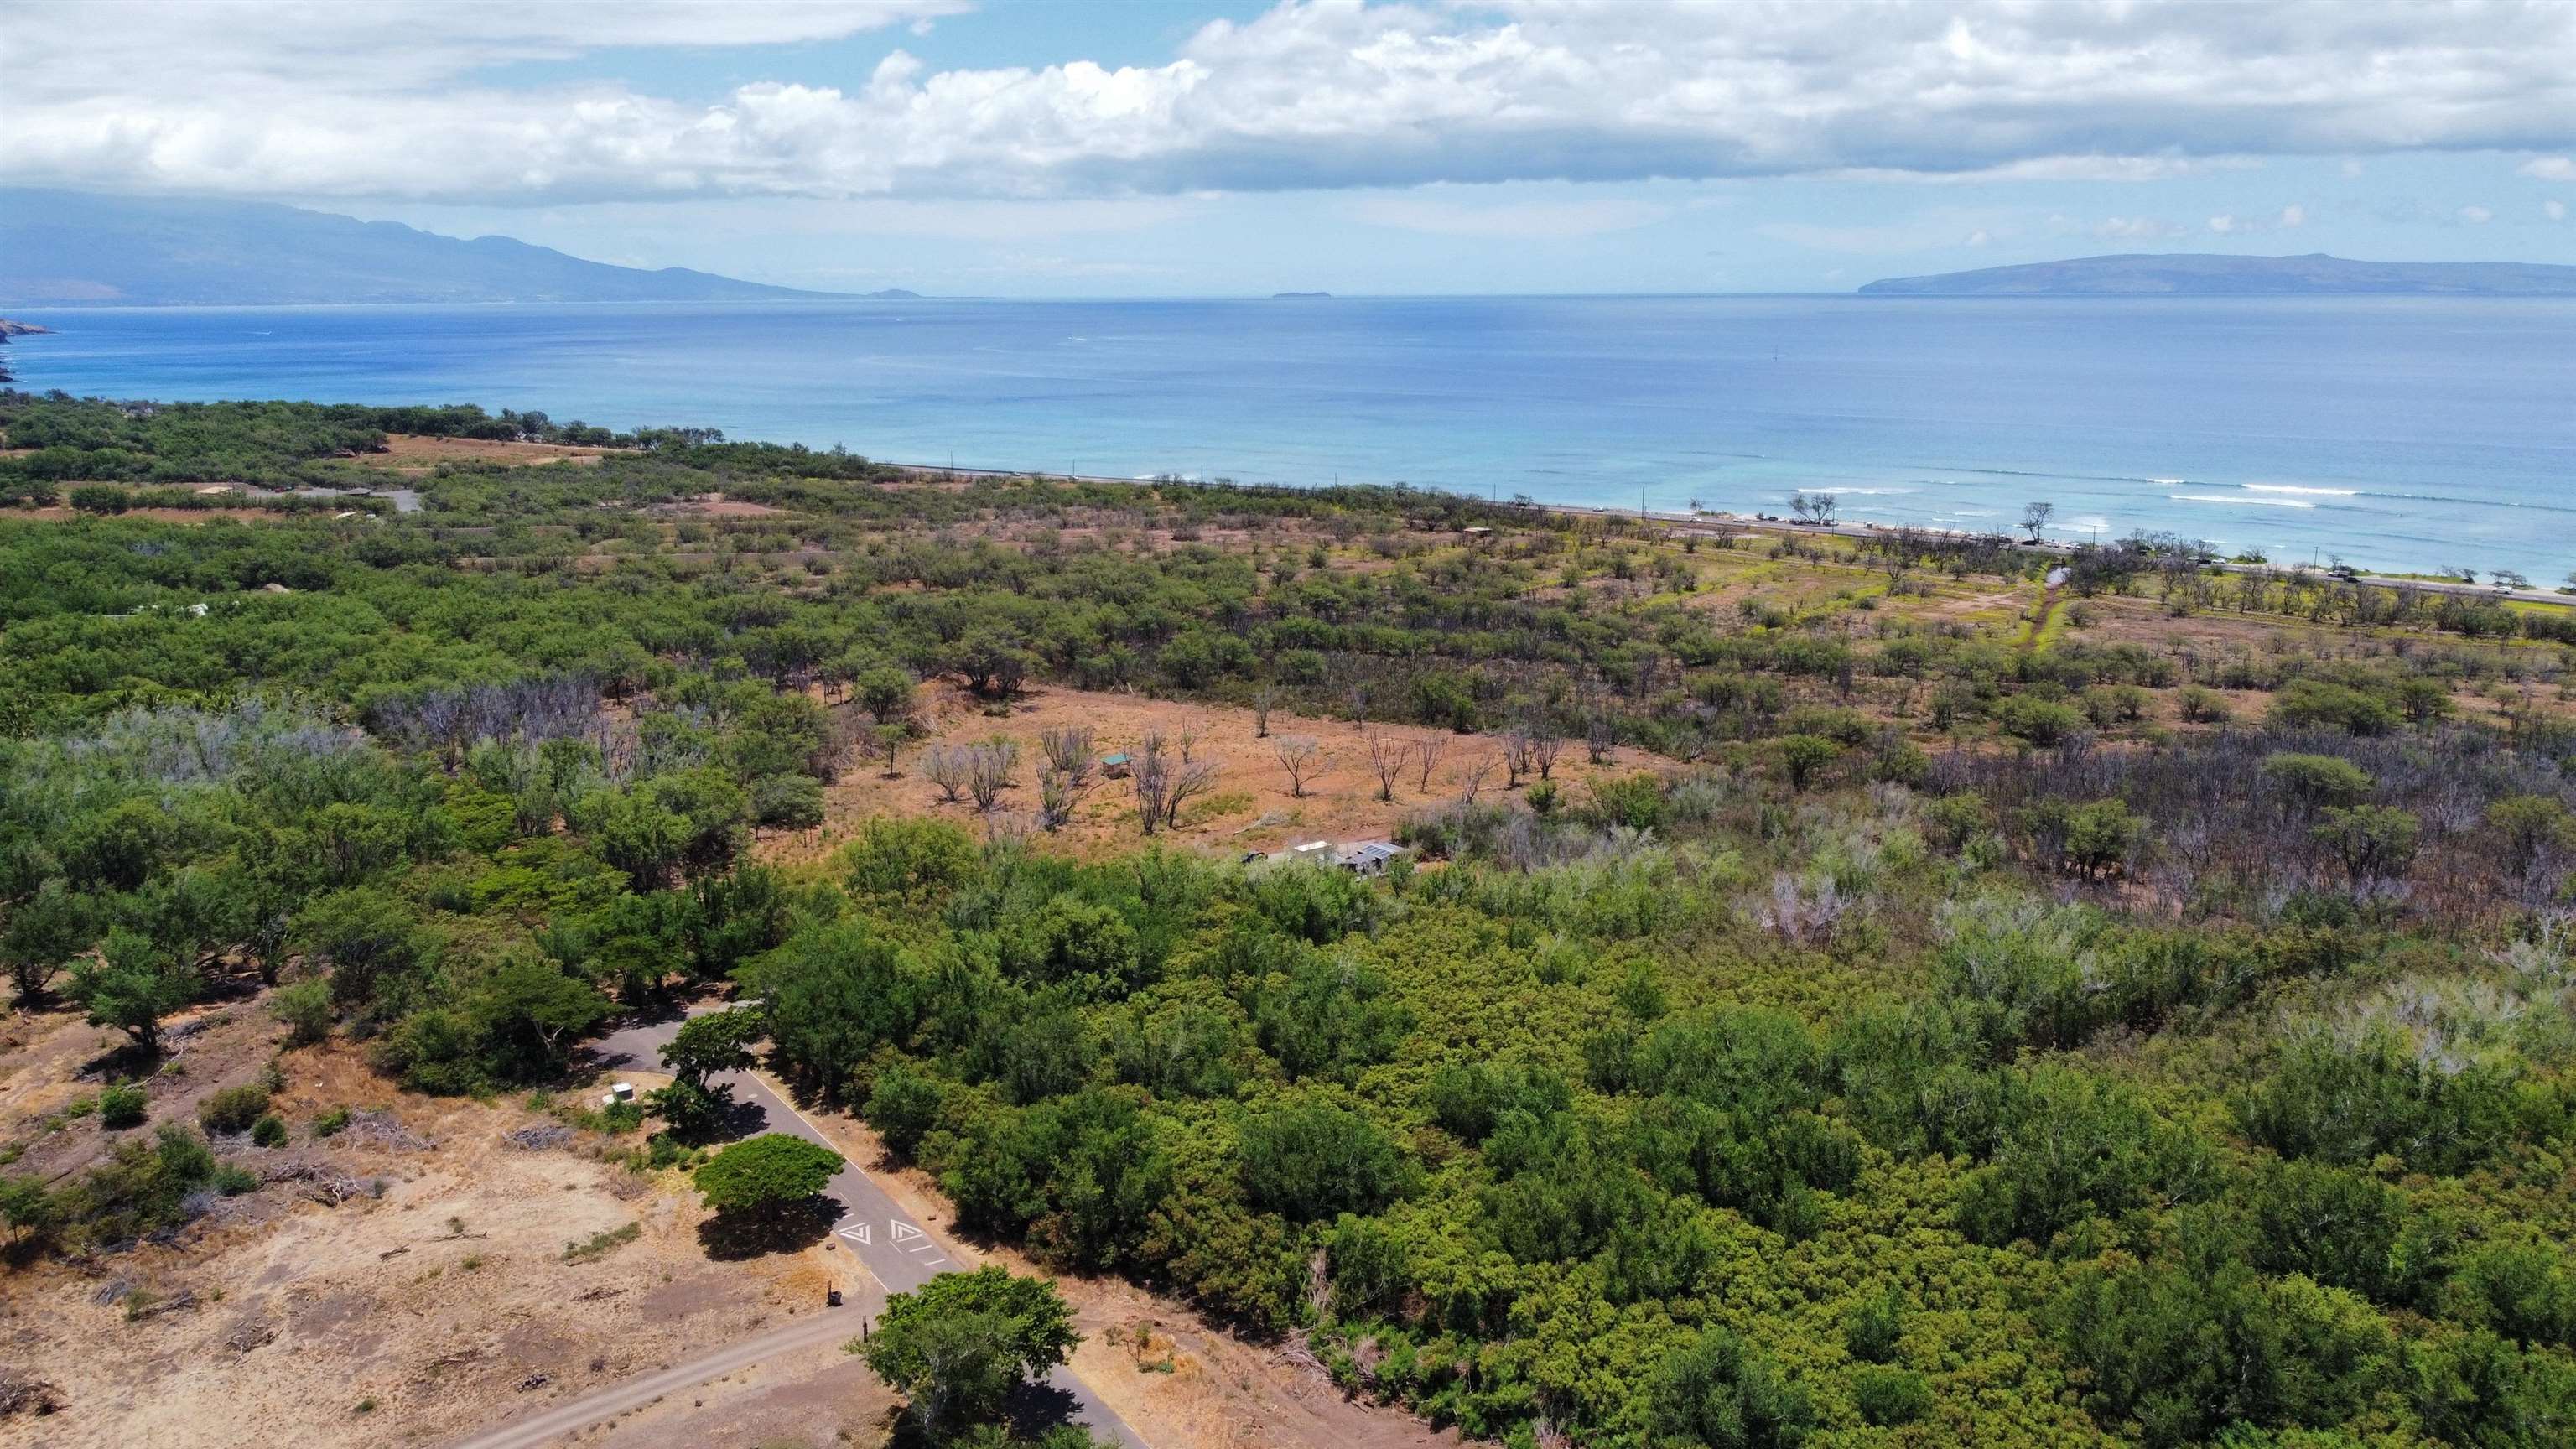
(2201, 275)
(71, 248)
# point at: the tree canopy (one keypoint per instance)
(959, 1345)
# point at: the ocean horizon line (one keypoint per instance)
(838, 299)
(2426, 435)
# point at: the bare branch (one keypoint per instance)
(1426, 758)
(1301, 758)
(1386, 760)
(1472, 779)
(1070, 752)
(945, 766)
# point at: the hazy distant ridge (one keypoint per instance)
(70, 248)
(2200, 275)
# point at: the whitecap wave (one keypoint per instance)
(2296, 488)
(2234, 498)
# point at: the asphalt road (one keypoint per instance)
(873, 1228)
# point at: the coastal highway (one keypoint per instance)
(873, 1227)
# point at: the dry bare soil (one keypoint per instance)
(466, 1283)
(1250, 807)
(405, 453)
(437, 1299)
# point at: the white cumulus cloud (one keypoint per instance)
(2288, 218)
(428, 99)
(2550, 168)
(2135, 228)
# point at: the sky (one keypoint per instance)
(1221, 147)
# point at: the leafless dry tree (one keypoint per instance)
(1069, 752)
(1516, 756)
(1472, 778)
(1426, 758)
(1005, 827)
(1600, 731)
(1544, 743)
(1386, 759)
(1301, 758)
(1187, 781)
(946, 767)
(990, 767)
(1263, 697)
(1163, 783)
(1804, 916)
(1058, 793)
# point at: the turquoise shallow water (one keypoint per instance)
(2397, 432)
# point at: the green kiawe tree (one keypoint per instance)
(1804, 758)
(531, 1013)
(132, 985)
(1714, 1390)
(766, 1175)
(720, 1041)
(41, 931)
(960, 1344)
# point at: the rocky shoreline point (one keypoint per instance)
(9, 329)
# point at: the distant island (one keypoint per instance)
(1301, 296)
(2207, 275)
(73, 248)
(892, 294)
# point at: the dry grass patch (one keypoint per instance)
(439, 1291)
(408, 453)
(1250, 804)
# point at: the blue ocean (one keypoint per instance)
(2397, 433)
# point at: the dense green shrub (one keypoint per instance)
(233, 1109)
(2011, 1096)
(120, 1106)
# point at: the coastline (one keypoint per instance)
(1735, 402)
(1707, 523)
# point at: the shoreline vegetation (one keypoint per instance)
(1721, 524)
(2380, 523)
(1824, 987)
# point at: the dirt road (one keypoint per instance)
(873, 1227)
